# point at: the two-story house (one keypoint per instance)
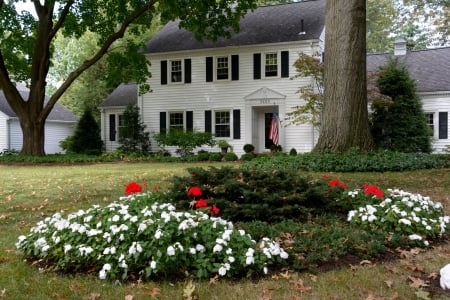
(233, 87)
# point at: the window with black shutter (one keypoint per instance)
(209, 69)
(187, 70)
(112, 127)
(257, 66)
(443, 125)
(162, 122)
(189, 120)
(164, 72)
(236, 124)
(235, 67)
(208, 123)
(284, 64)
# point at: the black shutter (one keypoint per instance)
(443, 125)
(257, 66)
(284, 64)
(234, 67)
(189, 120)
(162, 122)
(208, 123)
(236, 124)
(164, 72)
(112, 128)
(209, 69)
(187, 71)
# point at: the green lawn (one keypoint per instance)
(28, 193)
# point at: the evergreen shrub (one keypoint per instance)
(248, 195)
(86, 139)
(247, 156)
(230, 156)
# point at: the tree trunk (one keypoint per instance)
(345, 122)
(33, 136)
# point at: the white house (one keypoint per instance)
(59, 125)
(233, 87)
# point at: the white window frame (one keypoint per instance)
(170, 70)
(230, 124)
(169, 113)
(216, 67)
(264, 64)
(433, 124)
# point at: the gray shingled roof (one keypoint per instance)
(59, 113)
(267, 24)
(430, 68)
(123, 95)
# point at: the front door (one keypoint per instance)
(262, 117)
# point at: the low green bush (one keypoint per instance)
(247, 156)
(230, 156)
(215, 156)
(248, 195)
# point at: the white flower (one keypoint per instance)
(372, 218)
(265, 270)
(158, 234)
(415, 237)
(404, 221)
(116, 218)
(231, 259)
(170, 251)
(217, 248)
(106, 267)
(67, 248)
(284, 254)
(153, 264)
(222, 271)
(249, 260)
(123, 264)
(102, 274)
(200, 248)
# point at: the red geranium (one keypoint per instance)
(337, 183)
(214, 209)
(201, 203)
(194, 191)
(133, 187)
(373, 190)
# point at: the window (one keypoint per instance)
(222, 124)
(176, 73)
(271, 65)
(430, 121)
(222, 68)
(176, 120)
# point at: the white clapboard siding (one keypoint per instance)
(200, 95)
(435, 103)
(105, 127)
(4, 133)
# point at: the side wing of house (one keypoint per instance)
(437, 107)
(231, 92)
(4, 132)
(111, 119)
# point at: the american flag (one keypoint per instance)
(273, 132)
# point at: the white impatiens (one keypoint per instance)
(139, 235)
(412, 215)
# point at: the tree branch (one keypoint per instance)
(100, 53)
(62, 18)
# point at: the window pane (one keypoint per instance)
(176, 120)
(430, 121)
(222, 68)
(176, 72)
(222, 122)
(271, 64)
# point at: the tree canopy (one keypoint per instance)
(27, 45)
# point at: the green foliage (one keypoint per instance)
(230, 156)
(132, 135)
(293, 152)
(353, 161)
(401, 125)
(248, 195)
(248, 148)
(86, 139)
(186, 141)
(247, 156)
(215, 156)
(312, 94)
(141, 236)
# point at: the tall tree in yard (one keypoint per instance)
(345, 122)
(27, 45)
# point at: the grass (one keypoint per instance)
(28, 193)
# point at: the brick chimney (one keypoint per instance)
(400, 46)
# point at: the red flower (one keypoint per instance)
(194, 175)
(133, 187)
(325, 177)
(373, 190)
(337, 183)
(201, 203)
(194, 191)
(214, 209)
(156, 187)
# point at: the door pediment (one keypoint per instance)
(265, 93)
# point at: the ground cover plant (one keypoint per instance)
(30, 194)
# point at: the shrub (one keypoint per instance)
(230, 156)
(86, 139)
(248, 148)
(247, 156)
(215, 156)
(293, 152)
(132, 135)
(247, 195)
(186, 141)
(203, 155)
(139, 236)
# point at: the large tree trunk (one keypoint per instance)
(33, 136)
(345, 123)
